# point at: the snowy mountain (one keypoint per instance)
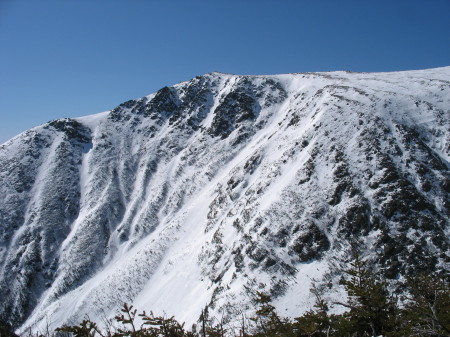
(202, 192)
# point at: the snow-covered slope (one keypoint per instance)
(202, 192)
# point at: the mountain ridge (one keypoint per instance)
(224, 183)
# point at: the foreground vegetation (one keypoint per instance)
(371, 311)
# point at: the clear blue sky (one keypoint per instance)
(68, 58)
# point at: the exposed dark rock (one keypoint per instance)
(309, 243)
(236, 107)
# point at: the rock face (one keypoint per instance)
(201, 192)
